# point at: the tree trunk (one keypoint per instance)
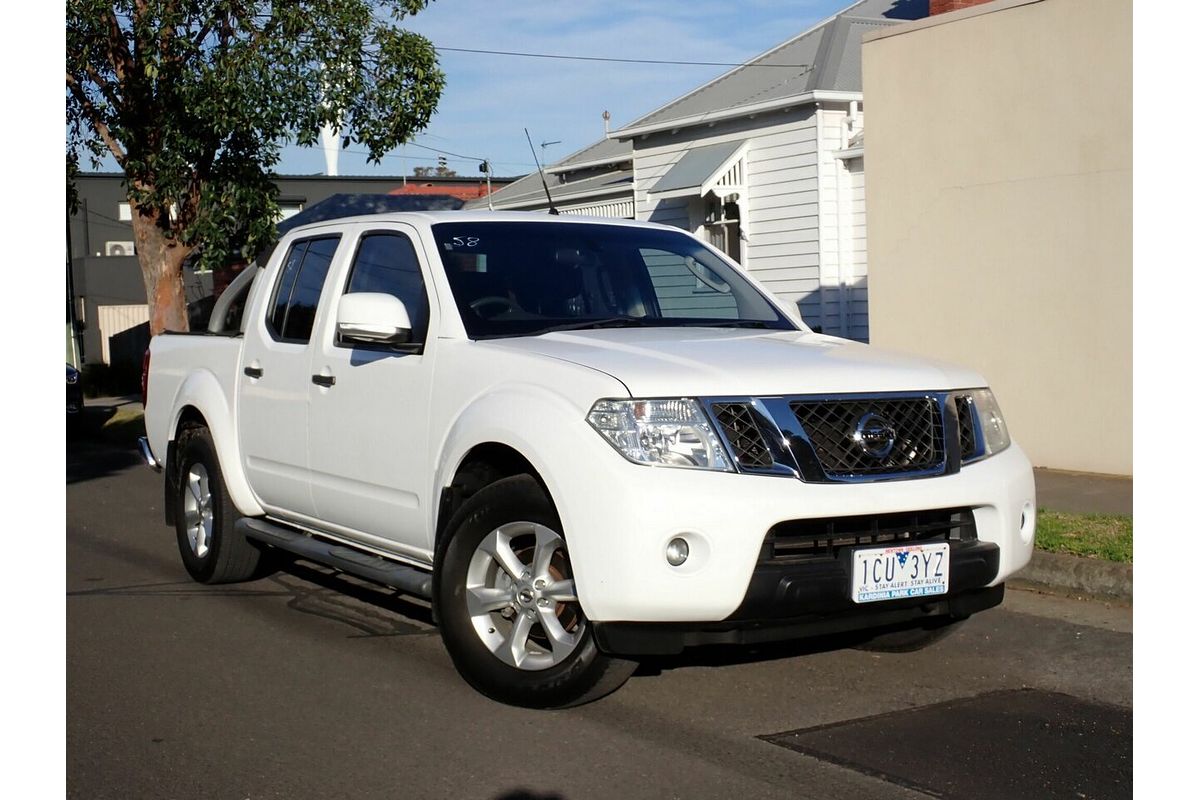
(161, 258)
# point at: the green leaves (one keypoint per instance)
(195, 98)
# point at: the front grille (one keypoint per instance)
(749, 447)
(830, 425)
(802, 540)
(966, 426)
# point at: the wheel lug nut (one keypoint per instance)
(543, 602)
(525, 575)
(540, 584)
(529, 613)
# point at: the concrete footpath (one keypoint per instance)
(1070, 492)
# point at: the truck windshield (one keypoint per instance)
(527, 278)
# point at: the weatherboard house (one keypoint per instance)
(765, 162)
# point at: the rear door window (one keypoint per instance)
(294, 306)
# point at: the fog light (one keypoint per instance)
(1028, 521)
(677, 552)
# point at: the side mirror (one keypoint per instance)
(372, 318)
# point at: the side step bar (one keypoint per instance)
(363, 565)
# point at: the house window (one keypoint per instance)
(125, 212)
(288, 210)
(722, 225)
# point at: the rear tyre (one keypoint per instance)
(212, 551)
(910, 640)
(507, 606)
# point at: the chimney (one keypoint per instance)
(942, 6)
(329, 143)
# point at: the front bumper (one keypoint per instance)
(790, 601)
(619, 517)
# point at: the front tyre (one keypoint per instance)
(212, 551)
(508, 610)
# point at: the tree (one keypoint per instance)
(196, 98)
(441, 171)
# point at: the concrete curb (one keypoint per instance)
(1062, 573)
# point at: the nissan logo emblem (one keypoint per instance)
(875, 435)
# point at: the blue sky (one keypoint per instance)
(489, 99)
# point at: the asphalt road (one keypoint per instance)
(311, 685)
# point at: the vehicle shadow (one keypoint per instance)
(331, 584)
(404, 615)
(729, 655)
(98, 445)
(415, 616)
(369, 609)
(89, 459)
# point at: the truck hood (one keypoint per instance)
(699, 362)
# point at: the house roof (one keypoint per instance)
(528, 191)
(826, 57)
(605, 151)
(596, 156)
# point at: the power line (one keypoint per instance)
(443, 152)
(454, 156)
(624, 60)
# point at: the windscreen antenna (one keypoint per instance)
(549, 199)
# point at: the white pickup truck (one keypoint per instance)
(583, 441)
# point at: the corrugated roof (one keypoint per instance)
(696, 167)
(529, 191)
(825, 57)
(604, 151)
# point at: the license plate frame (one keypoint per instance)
(928, 575)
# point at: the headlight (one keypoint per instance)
(995, 432)
(672, 433)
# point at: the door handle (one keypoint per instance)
(324, 380)
(253, 372)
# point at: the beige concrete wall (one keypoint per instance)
(999, 212)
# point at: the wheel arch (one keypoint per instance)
(482, 465)
(519, 429)
(201, 401)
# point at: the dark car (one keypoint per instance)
(74, 390)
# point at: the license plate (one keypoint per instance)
(892, 573)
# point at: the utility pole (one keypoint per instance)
(486, 169)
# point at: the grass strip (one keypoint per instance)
(1103, 536)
